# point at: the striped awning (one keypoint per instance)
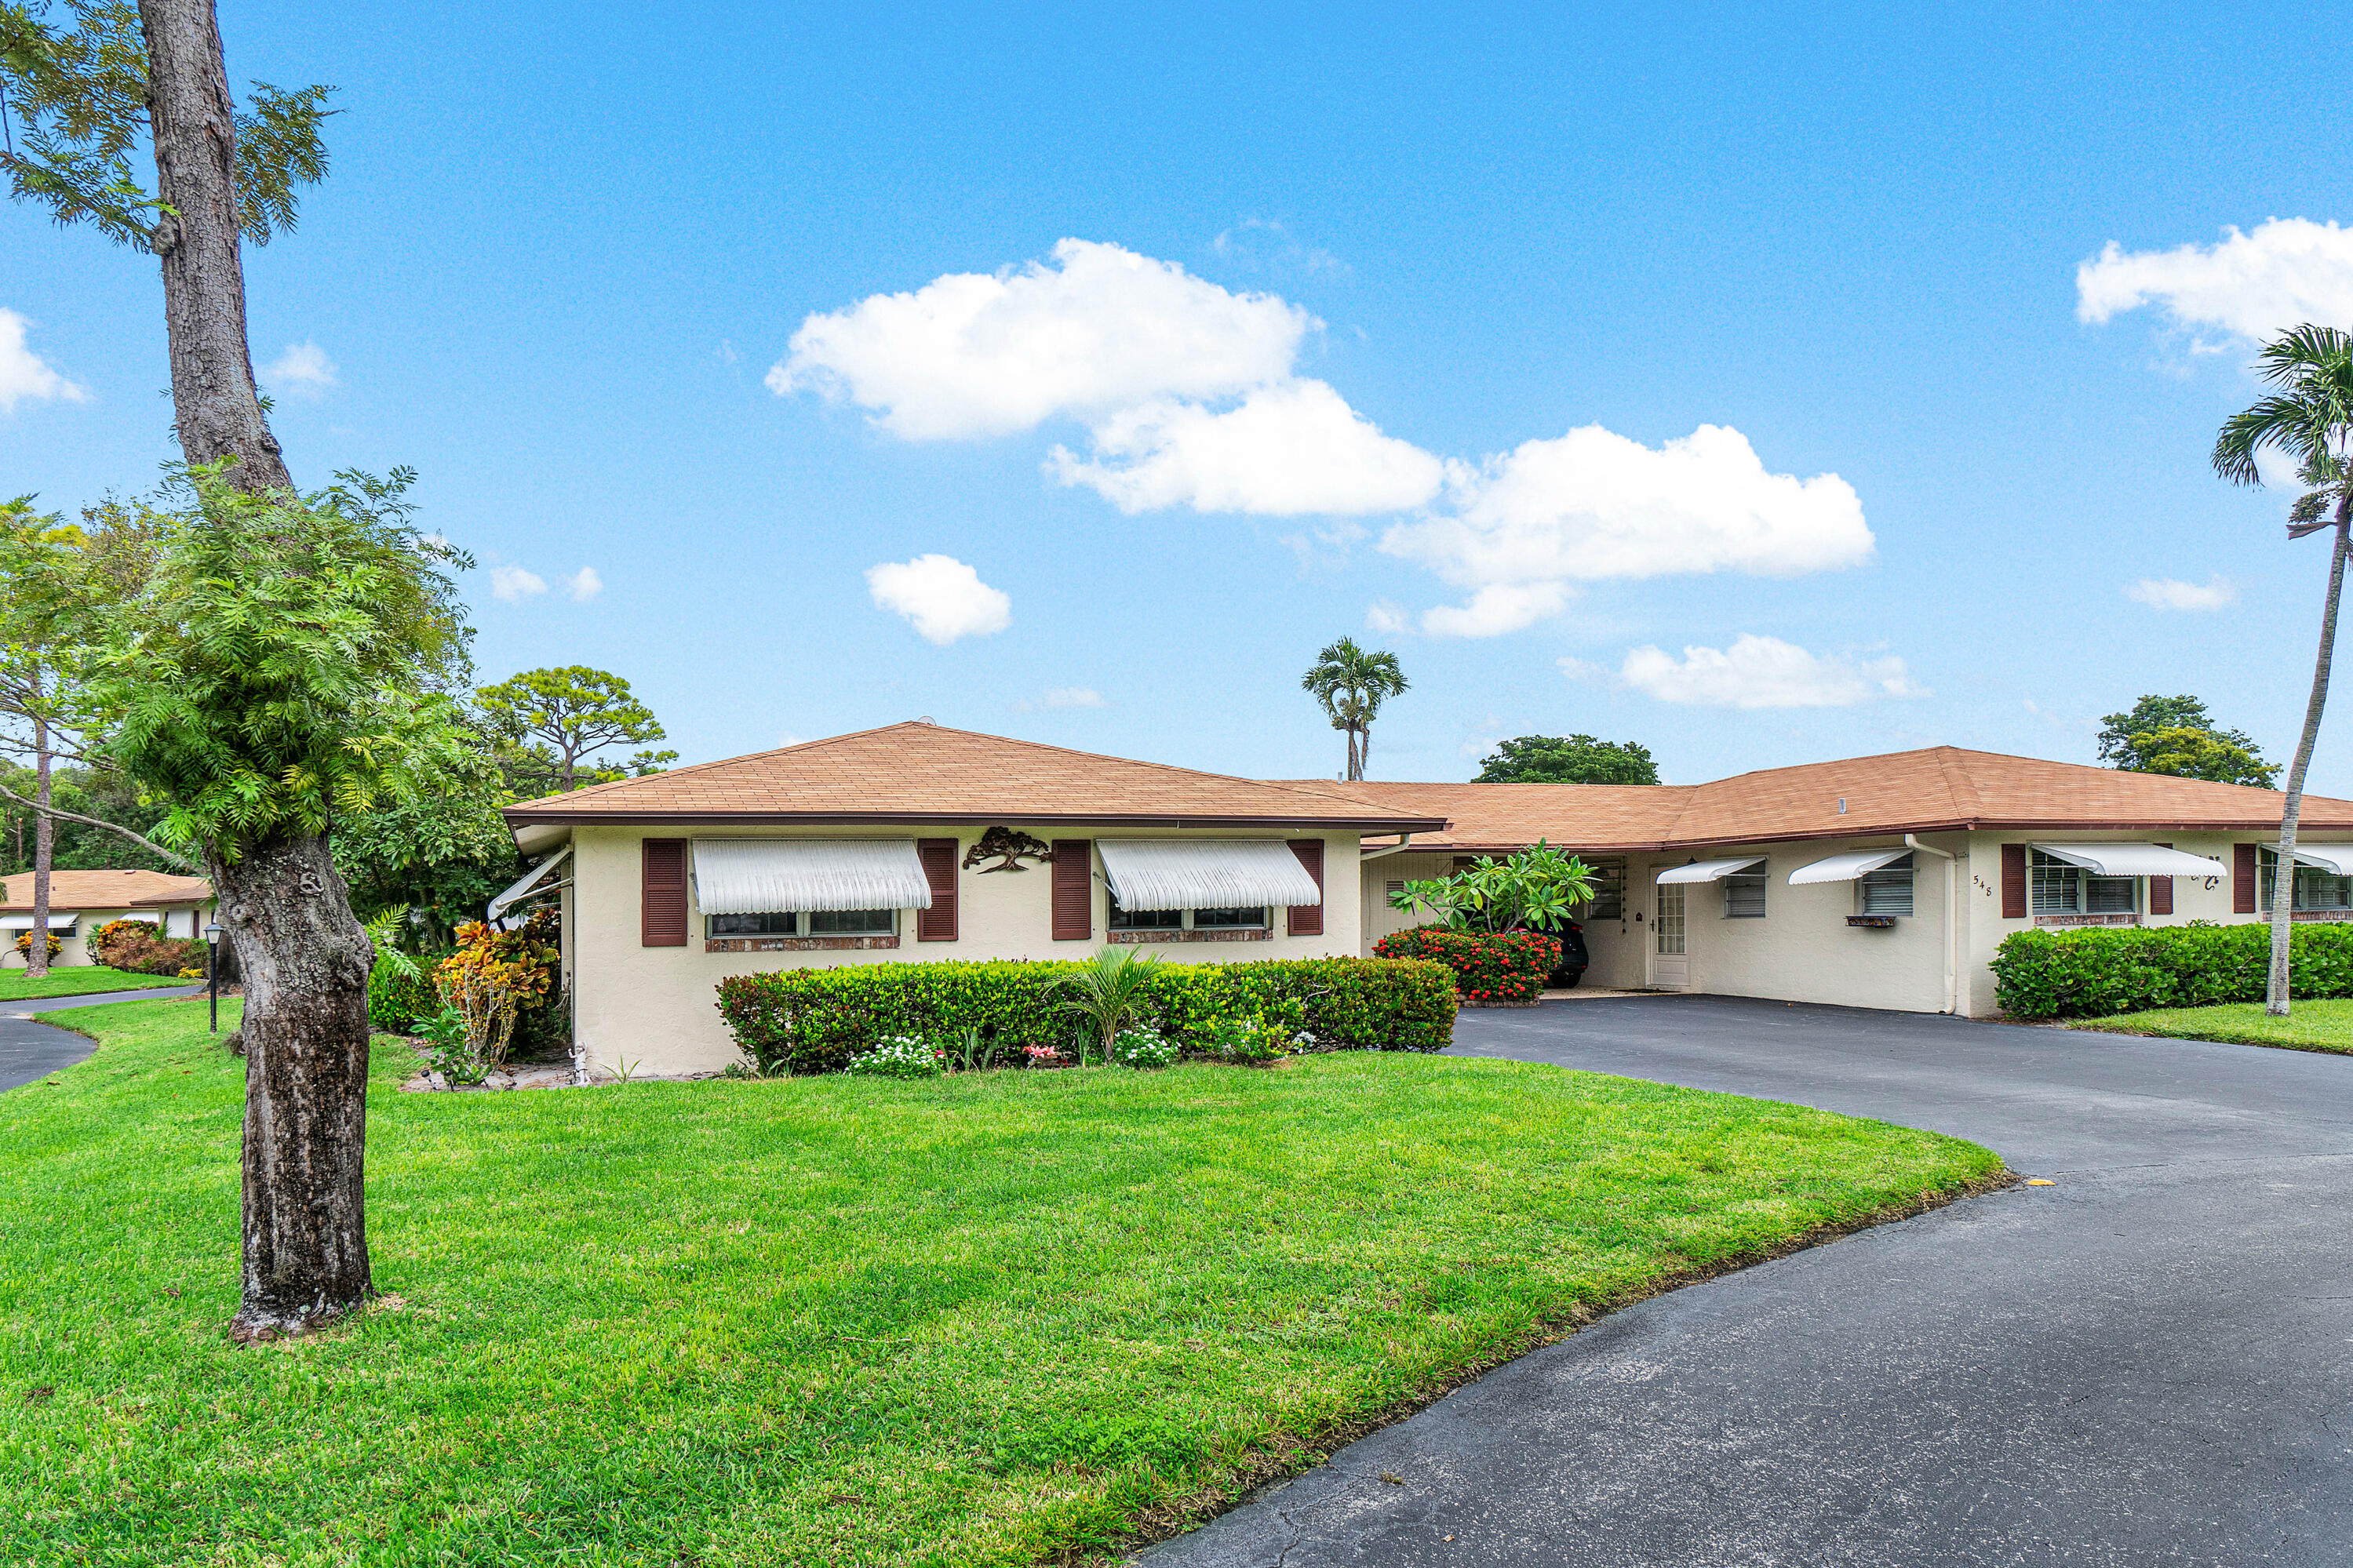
(1846, 867)
(1205, 873)
(2336, 860)
(773, 876)
(1707, 870)
(62, 921)
(2134, 860)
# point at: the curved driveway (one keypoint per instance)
(31, 1051)
(2150, 1361)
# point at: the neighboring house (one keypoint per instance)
(919, 842)
(1883, 881)
(82, 901)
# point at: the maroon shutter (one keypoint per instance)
(2242, 879)
(1307, 920)
(2014, 881)
(662, 913)
(1074, 894)
(2160, 891)
(938, 923)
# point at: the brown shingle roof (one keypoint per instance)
(928, 773)
(105, 890)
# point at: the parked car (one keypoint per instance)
(1572, 957)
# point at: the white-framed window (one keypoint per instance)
(807, 922)
(1886, 892)
(1667, 918)
(1743, 893)
(2060, 888)
(1609, 901)
(1246, 917)
(2314, 888)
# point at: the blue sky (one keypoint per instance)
(1362, 258)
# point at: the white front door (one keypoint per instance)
(1670, 961)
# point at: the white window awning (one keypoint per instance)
(1205, 873)
(2134, 860)
(1846, 867)
(774, 876)
(62, 922)
(525, 885)
(1707, 870)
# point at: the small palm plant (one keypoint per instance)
(1111, 991)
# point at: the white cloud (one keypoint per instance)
(1592, 504)
(2284, 272)
(1285, 450)
(976, 354)
(941, 596)
(24, 373)
(304, 370)
(514, 584)
(2172, 593)
(584, 584)
(1387, 615)
(1061, 696)
(1762, 672)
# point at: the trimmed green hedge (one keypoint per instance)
(815, 1020)
(1488, 966)
(2097, 971)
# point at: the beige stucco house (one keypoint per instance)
(82, 901)
(1883, 881)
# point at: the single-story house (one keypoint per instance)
(1883, 881)
(82, 901)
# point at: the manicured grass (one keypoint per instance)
(830, 1321)
(2309, 1026)
(80, 979)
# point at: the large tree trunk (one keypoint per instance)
(2275, 993)
(214, 397)
(305, 962)
(45, 848)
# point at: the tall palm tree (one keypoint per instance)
(2310, 420)
(1352, 684)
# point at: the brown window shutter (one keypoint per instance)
(1074, 892)
(2160, 891)
(2014, 881)
(2242, 879)
(1307, 920)
(938, 923)
(663, 904)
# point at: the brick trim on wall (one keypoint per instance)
(1074, 890)
(938, 923)
(2014, 881)
(2242, 879)
(661, 897)
(1307, 920)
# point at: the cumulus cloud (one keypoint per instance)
(1387, 615)
(514, 584)
(1762, 672)
(2283, 273)
(978, 353)
(942, 598)
(24, 373)
(1592, 504)
(2172, 593)
(1286, 449)
(584, 584)
(303, 370)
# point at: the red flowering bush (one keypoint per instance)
(1489, 966)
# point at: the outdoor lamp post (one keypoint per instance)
(212, 969)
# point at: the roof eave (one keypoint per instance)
(519, 819)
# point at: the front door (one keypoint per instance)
(1669, 962)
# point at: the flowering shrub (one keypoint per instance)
(1042, 1056)
(901, 1056)
(25, 945)
(494, 976)
(139, 947)
(1489, 966)
(1143, 1049)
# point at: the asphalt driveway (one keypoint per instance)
(31, 1051)
(2150, 1362)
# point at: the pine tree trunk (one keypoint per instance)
(2275, 993)
(45, 850)
(305, 964)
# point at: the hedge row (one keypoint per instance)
(815, 1020)
(1488, 966)
(2097, 971)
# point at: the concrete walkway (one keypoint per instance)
(30, 1051)
(2150, 1361)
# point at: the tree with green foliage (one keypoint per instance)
(551, 722)
(442, 854)
(1351, 683)
(2309, 419)
(1538, 888)
(2226, 756)
(1568, 758)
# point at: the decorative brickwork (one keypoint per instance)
(1228, 933)
(797, 943)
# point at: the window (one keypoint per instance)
(2314, 889)
(1609, 901)
(820, 922)
(853, 922)
(1888, 890)
(1253, 918)
(1140, 919)
(1205, 920)
(1743, 893)
(1668, 922)
(2063, 890)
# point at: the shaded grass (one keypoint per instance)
(831, 1320)
(2320, 1025)
(80, 979)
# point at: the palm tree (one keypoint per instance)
(1352, 684)
(2310, 420)
(1110, 991)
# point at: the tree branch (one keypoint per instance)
(174, 855)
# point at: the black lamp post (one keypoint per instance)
(212, 969)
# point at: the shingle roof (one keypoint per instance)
(1941, 788)
(927, 772)
(105, 890)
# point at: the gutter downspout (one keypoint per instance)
(1404, 843)
(1952, 915)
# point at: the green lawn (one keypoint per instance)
(2309, 1026)
(830, 1321)
(80, 979)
